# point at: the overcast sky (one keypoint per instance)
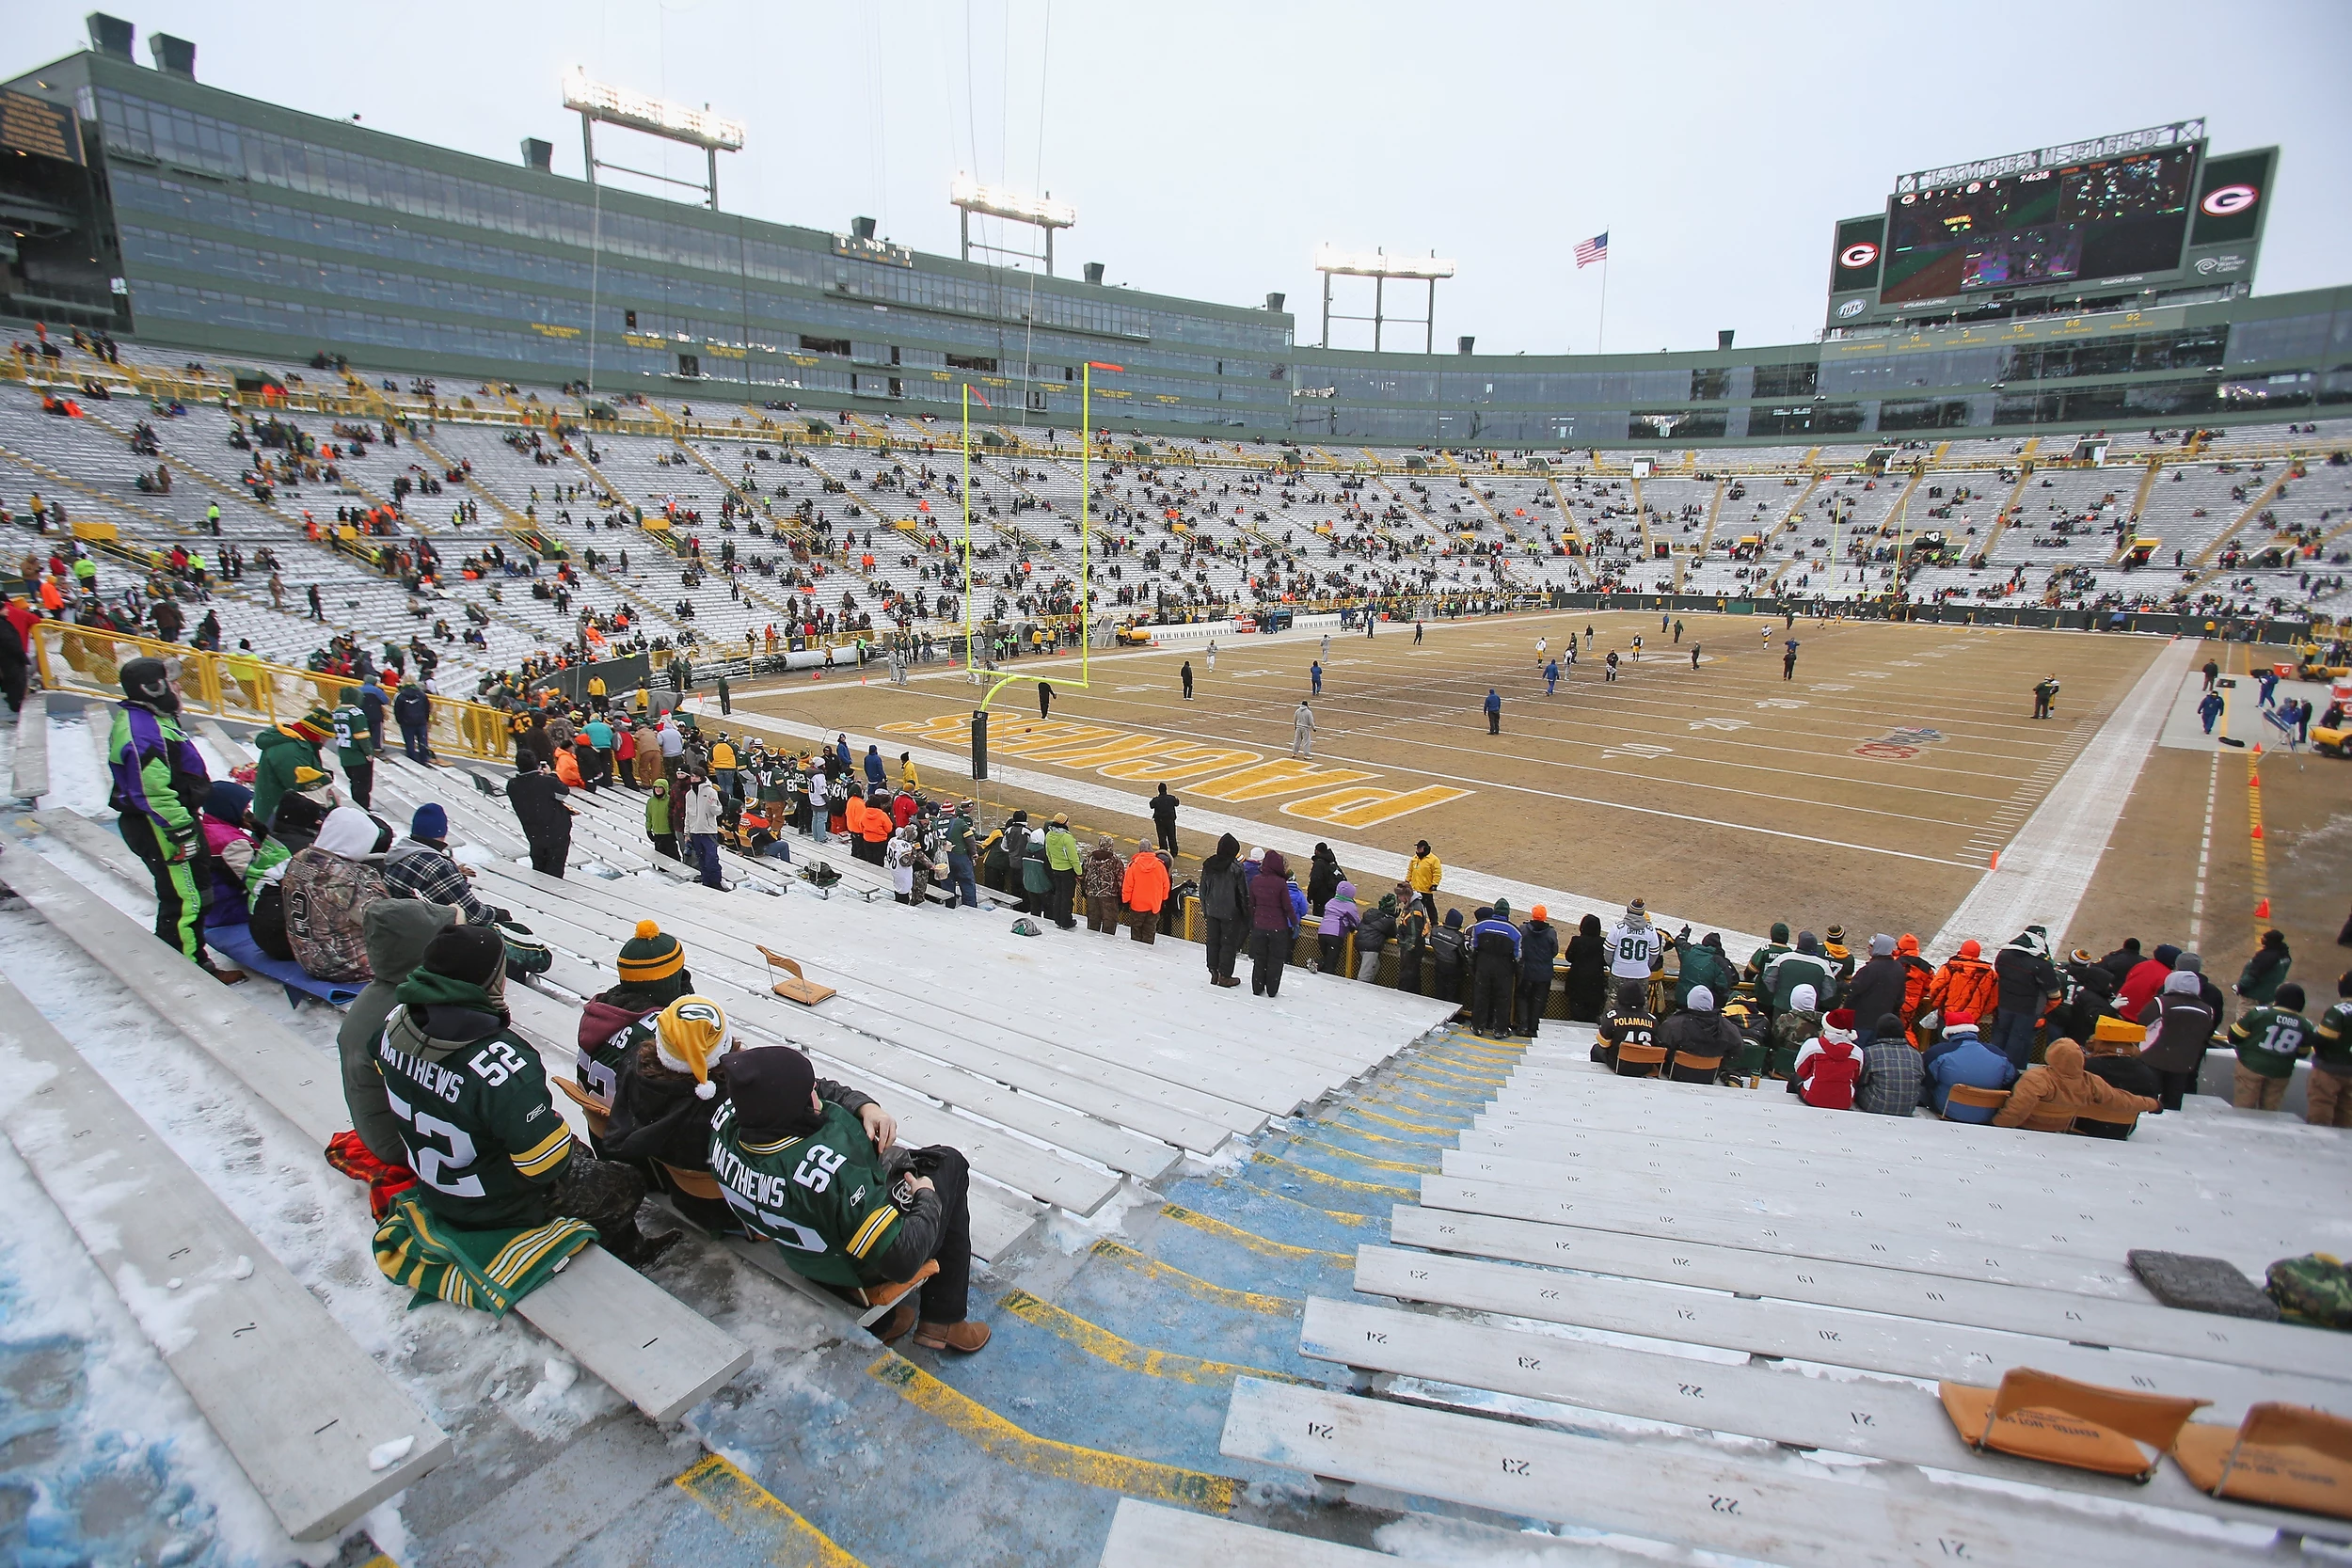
(1210, 147)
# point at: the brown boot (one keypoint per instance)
(964, 1337)
(894, 1328)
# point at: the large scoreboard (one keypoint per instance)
(2136, 212)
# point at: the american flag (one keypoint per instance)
(1594, 250)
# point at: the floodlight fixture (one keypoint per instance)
(1041, 212)
(595, 101)
(1380, 266)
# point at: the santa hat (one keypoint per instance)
(1837, 1027)
(1959, 1019)
(689, 1034)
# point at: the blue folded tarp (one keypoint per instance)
(237, 942)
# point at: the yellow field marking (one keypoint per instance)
(1126, 1354)
(1001, 1440)
(748, 1509)
(1210, 1225)
(1438, 1078)
(1167, 1273)
(1417, 1165)
(1313, 1175)
(1504, 1064)
(1464, 1041)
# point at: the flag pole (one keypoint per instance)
(1602, 337)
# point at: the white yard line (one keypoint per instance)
(2050, 863)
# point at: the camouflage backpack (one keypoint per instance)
(2315, 1288)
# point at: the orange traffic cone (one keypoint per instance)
(2258, 830)
(2253, 780)
(1996, 864)
(2258, 748)
(2261, 911)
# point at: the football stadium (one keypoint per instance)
(606, 794)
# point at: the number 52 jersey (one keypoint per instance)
(822, 1198)
(483, 1137)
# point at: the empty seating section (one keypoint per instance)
(1614, 1289)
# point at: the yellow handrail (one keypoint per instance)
(241, 687)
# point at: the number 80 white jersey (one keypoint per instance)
(1632, 948)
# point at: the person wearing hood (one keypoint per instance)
(815, 1166)
(1806, 965)
(1413, 932)
(2028, 983)
(699, 823)
(669, 1086)
(2125, 959)
(1449, 944)
(537, 797)
(397, 932)
(1322, 878)
(2180, 1024)
(1338, 921)
(1101, 880)
(1792, 1026)
(1702, 963)
(2049, 1098)
(1145, 889)
(1918, 975)
(876, 773)
(1588, 971)
(1273, 927)
(1828, 1064)
(1494, 953)
(493, 1154)
(160, 785)
(2145, 980)
(229, 844)
(2257, 982)
(282, 749)
(1628, 1023)
(326, 887)
(1876, 990)
(1225, 907)
(1636, 947)
(1960, 1057)
(1539, 944)
(2118, 1065)
(1700, 1039)
(1963, 984)
(1061, 868)
(659, 827)
(420, 866)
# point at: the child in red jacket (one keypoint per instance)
(1828, 1064)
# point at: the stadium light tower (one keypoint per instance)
(1380, 266)
(1041, 212)
(656, 117)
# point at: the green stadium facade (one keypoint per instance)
(173, 213)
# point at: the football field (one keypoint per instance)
(1871, 786)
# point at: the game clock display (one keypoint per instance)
(2112, 218)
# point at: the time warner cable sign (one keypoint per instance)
(2156, 137)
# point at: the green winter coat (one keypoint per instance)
(657, 810)
(1062, 851)
(278, 755)
(1702, 965)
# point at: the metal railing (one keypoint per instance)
(240, 687)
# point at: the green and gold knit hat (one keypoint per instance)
(650, 957)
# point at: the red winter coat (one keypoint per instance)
(1827, 1077)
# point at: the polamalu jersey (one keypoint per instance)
(481, 1135)
(1631, 950)
(823, 1196)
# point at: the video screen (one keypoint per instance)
(2107, 219)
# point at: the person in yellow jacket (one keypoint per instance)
(908, 780)
(597, 697)
(1422, 874)
(723, 772)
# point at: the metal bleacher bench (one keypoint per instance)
(30, 766)
(316, 1424)
(653, 1349)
